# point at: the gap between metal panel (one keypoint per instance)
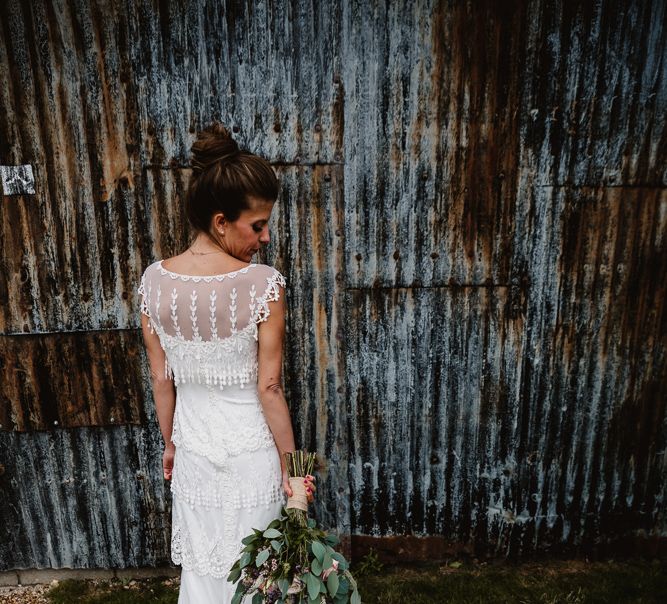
(71, 331)
(603, 186)
(448, 286)
(273, 163)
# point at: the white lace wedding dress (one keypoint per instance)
(226, 478)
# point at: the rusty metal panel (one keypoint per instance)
(432, 133)
(435, 391)
(455, 110)
(83, 498)
(594, 98)
(514, 433)
(485, 126)
(67, 380)
(308, 245)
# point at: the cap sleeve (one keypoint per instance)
(143, 296)
(275, 287)
(144, 291)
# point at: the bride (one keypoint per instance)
(213, 324)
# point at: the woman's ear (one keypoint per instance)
(219, 221)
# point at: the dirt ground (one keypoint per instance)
(26, 594)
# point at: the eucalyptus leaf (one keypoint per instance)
(284, 586)
(316, 567)
(313, 585)
(274, 524)
(258, 598)
(237, 598)
(332, 584)
(272, 533)
(234, 575)
(332, 540)
(245, 560)
(356, 598)
(327, 562)
(276, 545)
(262, 557)
(343, 587)
(249, 539)
(311, 523)
(318, 551)
(342, 562)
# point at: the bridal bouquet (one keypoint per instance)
(292, 561)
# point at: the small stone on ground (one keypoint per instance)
(24, 594)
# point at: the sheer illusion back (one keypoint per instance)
(208, 325)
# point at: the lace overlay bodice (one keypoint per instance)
(208, 329)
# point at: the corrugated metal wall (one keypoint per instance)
(473, 225)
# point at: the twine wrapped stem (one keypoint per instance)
(299, 499)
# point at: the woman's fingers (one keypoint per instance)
(309, 481)
(167, 463)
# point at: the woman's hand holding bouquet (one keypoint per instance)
(292, 561)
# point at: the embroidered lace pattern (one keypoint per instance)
(222, 491)
(207, 423)
(225, 487)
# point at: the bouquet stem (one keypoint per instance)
(299, 464)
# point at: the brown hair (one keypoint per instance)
(223, 175)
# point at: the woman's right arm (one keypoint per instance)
(164, 392)
(271, 335)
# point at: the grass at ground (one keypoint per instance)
(155, 591)
(571, 582)
(553, 583)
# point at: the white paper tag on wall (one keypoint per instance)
(17, 180)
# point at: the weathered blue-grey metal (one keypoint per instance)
(472, 223)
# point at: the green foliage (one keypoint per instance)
(332, 584)
(318, 550)
(262, 557)
(285, 545)
(370, 564)
(293, 548)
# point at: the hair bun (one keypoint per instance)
(214, 144)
